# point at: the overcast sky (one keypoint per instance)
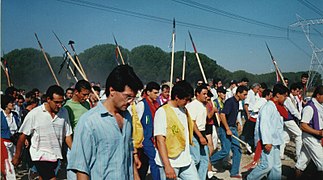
(231, 32)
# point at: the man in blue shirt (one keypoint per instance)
(229, 126)
(102, 146)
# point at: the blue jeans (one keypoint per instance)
(200, 156)
(188, 172)
(269, 163)
(227, 143)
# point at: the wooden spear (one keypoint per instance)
(172, 61)
(115, 41)
(76, 56)
(72, 60)
(50, 67)
(184, 62)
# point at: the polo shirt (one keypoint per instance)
(231, 109)
(47, 133)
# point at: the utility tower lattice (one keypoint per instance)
(317, 53)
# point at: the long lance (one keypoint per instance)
(202, 70)
(45, 56)
(198, 58)
(76, 56)
(172, 60)
(70, 68)
(5, 70)
(118, 48)
(278, 72)
(78, 69)
(184, 63)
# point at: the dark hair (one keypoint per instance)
(221, 90)
(265, 93)
(285, 78)
(304, 75)
(5, 100)
(295, 86)
(122, 76)
(200, 88)
(82, 84)
(20, 97)
(33, 100)
(69, 89)
(280, 89)
(240, 89)
(263, 85)
(244, 79)
(35, 90)
(164, 86)
(318, 90)
(209, 93)
(97, 88)
(152, 85)
(10, 90)
(30, 94)
(54, 89)
(182, 89)
(216, 81)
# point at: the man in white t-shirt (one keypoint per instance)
(198, 113)
(173, 129)
(48, 126)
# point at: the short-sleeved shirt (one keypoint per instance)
(75, 110)
(231, 109)
(160, 125)
(47, 133)
(251, 99)
(100, 148)
(308, 112)
(198, 113)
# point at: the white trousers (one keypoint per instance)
(10, 169)
(311, 150)
(291, 129)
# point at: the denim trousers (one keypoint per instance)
(227, 143)
(200, 156)
(270, 165)
(184, 173)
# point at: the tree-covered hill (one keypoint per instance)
(29, 68)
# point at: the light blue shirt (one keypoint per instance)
(100, 149)
(269, 125)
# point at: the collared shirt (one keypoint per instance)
(308, 113)
(260, 102)
(11, 123)
(100, 148)
(292, 108)
(251, 99)
(47, 133)
(231, 109)
(269, 125)
(198, 113)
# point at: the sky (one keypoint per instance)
(231, 32)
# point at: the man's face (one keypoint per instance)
(295, 92)
(281, 98)
(123, 99)
(202, 96)
(243, 83)
(83, 95)
(165, 93)
(10, 106)
(243, 95)
(304, 80)
(153, 94)
(319, 98)
(269, 96)
(221, 95)
(69, 94)
(55, 104)
(20, 102)
(255, 89)
(183, 102)
(219, 84)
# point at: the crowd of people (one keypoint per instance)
(174, 131)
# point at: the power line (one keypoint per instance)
(102, 7)
(311, 6)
